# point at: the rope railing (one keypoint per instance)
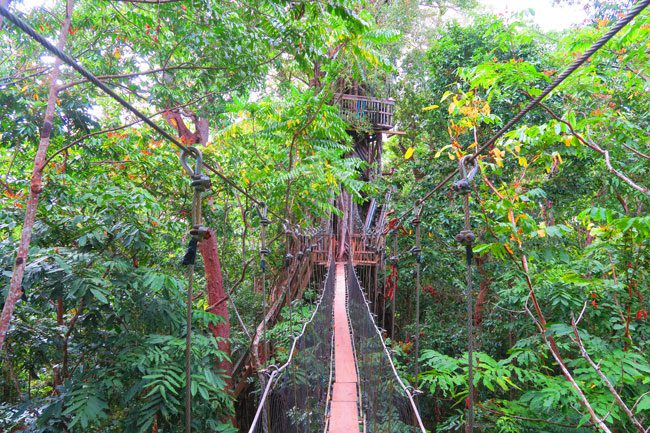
(294, 397)
(387, 403)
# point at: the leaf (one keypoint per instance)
(409, 153)
(523, 161)
(99, 295)
(431, 107)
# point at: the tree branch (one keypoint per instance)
(593, 146)
(583, 351)
(36, 186)
(118, 128)
(141, 73)
(540, 321)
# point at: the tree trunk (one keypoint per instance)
(484, 288)
(15, 288)
(217, 300)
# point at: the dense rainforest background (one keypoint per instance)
(100, 206)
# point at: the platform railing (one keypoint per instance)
(375, 111)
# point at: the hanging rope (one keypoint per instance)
(288, 260)
(394, 271)
(417, 252)
(199, 183)
(264, 252)
(466, 237)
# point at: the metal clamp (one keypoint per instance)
(262, 211)
(465, 237)
(200, 183)
(463, 186)
(264, 221)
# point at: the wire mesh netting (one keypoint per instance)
(386, 403)
(294, 396)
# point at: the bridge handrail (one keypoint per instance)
(416, 412)
(277, 371)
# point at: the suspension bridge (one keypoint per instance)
(339, 376)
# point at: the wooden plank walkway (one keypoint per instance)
(343, 413)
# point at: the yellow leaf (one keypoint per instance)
(567, 140)
(523, 161)
(409, 153)
(430, 107)
(117, 53)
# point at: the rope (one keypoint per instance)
(29, 31)
(200, 184)
(417, 251)
(264, 251)
(188, 351)
(466, 237)
(620, 24)
(394, 260)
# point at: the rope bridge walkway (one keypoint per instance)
(339, 376)
(343, 413)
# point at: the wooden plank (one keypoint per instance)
(344, 416)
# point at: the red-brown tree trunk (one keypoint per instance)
(16, 285)
(218, 304)
(484, 288)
